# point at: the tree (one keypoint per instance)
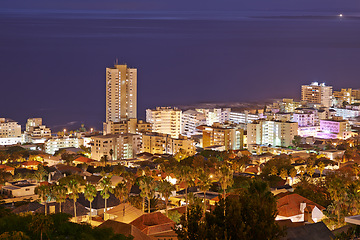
(59, 193)
(239, 217)
(42, 224)
(356, 169)
(293, 174)
(73, 186)
(90, 193)
(273, 171)
(146, 184)
(104, 159)
(310, 170)
(185, 174)
(321, 167)
(225, 176)
(297, 140)
(121, 191)
(68, 158)
(111, 152)
(204, 185)
(302, 171)
(45, 193)
(40, 173)
(283, 173)
(105, 184)
(165, 188)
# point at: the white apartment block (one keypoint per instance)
(121, 93)
(274, 133)
(165, 120)
(54, 144)
(316, 93)
(242, 117)
(346, 113)
(191, 119)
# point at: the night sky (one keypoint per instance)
(53, 54)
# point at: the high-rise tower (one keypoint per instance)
(317, 93)
(121, 93)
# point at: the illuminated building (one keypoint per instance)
(126, 126)
(54, 144)
(274, 133)
(10, 132)
(242, 117)
(334, 128)
(165, 120)
(36, 132)
(121, 93)
(123, 146)
(220, 135)
(316, 93)
(191, 119)
(156, 143)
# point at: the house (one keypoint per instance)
(298, 209)
(125, 229)
(125, 213)
(154, 224)
(33, 165)
(19, 188)
(315, 231)
(85, 160)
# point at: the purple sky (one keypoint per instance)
(52, 63)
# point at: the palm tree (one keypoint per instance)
(356, 169)
(41, 223)
(204, 185)
(111, 152)
(310, 170)
(165, 188)
(121, 191)
(185, 174)
(90, 193)
(292, 174)
(273, 171)
(74, 187)
(105, 184)
(283, 173)
(44, 191)
(146, 184)
(225, 175)
(321, 167)
(104, 159)
(59, 192)
(302, 171)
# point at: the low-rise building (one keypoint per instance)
(126, 126)
(54, 144)
(166, 120)
(156, 143)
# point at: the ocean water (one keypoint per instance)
(52, 63)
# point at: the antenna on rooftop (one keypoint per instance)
(116, 61)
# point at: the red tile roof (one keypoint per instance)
(31, 163)
(6, 168)
(153, 223)
(290, 205)
(84, 159)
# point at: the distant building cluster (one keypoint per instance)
(320, 114)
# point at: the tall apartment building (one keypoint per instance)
(123, 146)
(242, 117)
(275, 133)
(316, 93)
(121, 93)
(165, 120)
(157, 143)
(126, 126)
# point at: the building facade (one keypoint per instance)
(121, 93)
(274, 133)
(157, 143)
(165, 120)
(316, 93)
